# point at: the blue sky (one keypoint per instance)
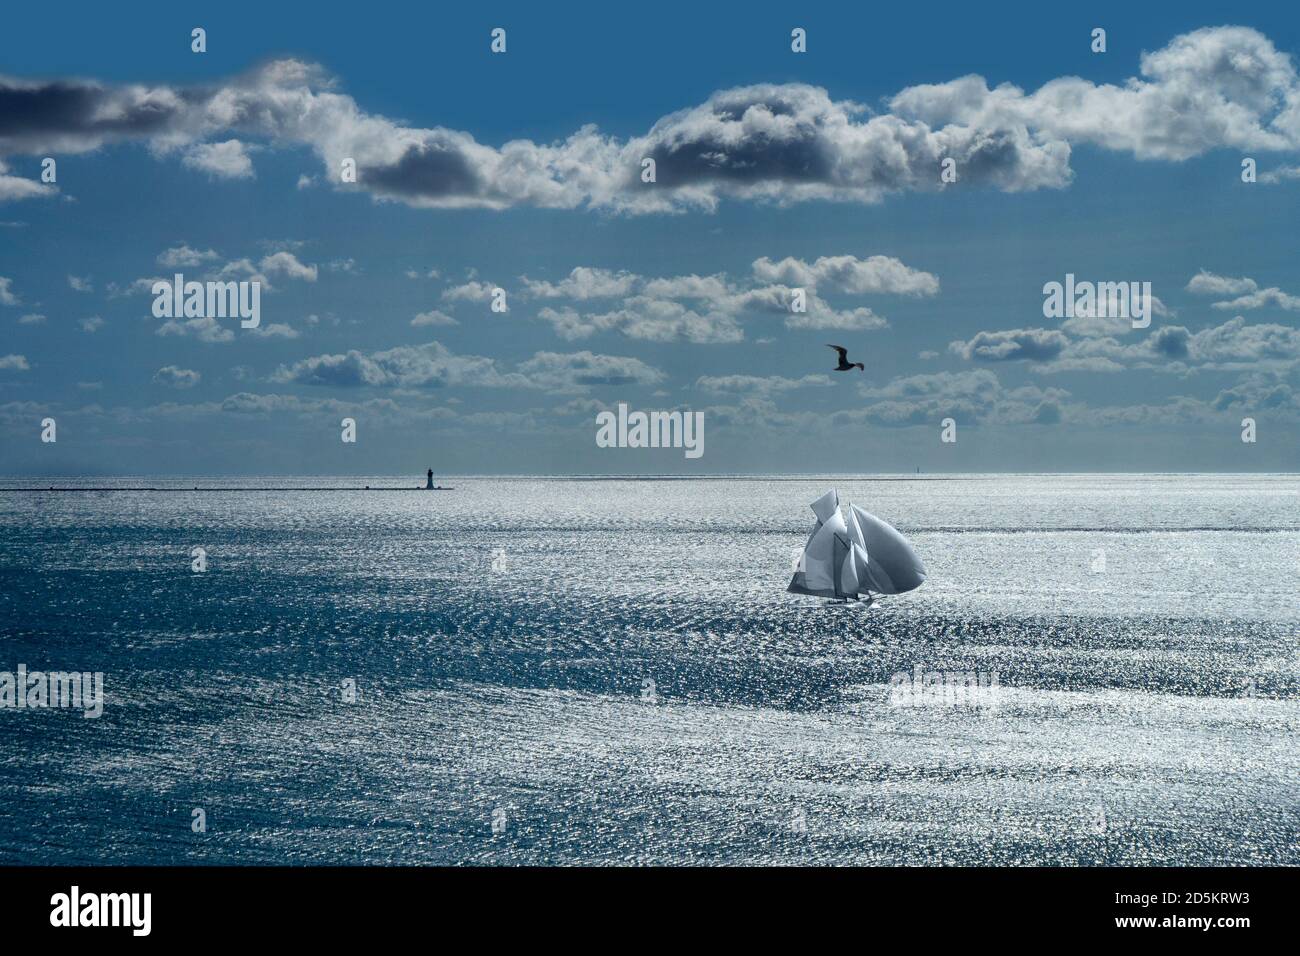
(1130, 173)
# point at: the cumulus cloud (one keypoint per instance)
(435, 366)
(432, 317)
(182, 256)
(1211, 88)
(409, 366)
(228, 160)
(1236, 345)
(287, 264)
(32, 318)
(792, 142)
(1281, 174)
(1260, 392)
(848, 274)
(16, 187)
(16, 363)
(92, 324)
(472, 291)
(642, 317)
(206, 329)
(1259, 299)
(79, 284)
(1232, 346)
(1011, 345)
(577, 371)
(1248, 294)
(174, 377)
(861, 319)
(7, 295)
(244, 270)
(708, 309)
(274, 330)
(1208, 283)
(583, 283)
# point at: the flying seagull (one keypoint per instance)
(845, 365)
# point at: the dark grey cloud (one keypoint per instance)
(74, 115)
(429, 170)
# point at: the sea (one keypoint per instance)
(571, 671)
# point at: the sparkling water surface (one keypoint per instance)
(612, 671)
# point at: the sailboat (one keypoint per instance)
(854, 553)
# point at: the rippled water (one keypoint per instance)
(613, 671)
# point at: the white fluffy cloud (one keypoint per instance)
(848, 274)
(227, 160)
(708, 309)
(175, 377)
(206, 329)
(583, 283)
(1281, 174)
(472, 291)
(1259, 299)
(1248, 294)
(578, 371)
(432, 317)
(182, 256)
(1209, 283)
(16, 187)
(1214, 87)
(654, 320)
(287, 264)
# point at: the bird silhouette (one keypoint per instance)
(845, 365)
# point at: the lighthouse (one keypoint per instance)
(428, 481)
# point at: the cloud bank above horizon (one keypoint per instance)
(1215, 87)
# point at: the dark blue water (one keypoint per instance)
(612, 672)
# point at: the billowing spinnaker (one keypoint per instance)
(893, 566)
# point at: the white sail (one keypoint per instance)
(855, 530)
(827, 505)
(819, 555)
